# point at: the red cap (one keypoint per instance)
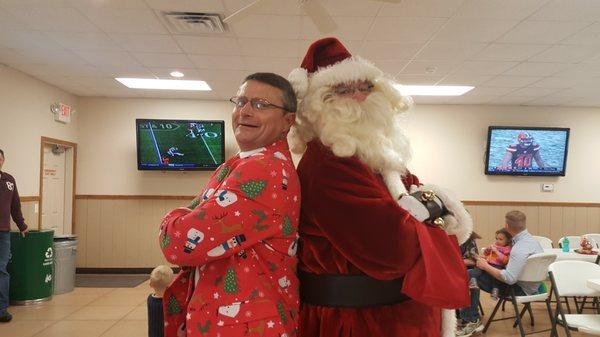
(323, 53)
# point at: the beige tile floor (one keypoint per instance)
(121, 312)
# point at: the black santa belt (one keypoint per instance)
(351, 291)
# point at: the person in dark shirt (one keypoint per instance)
(522, 154)
(10, 205)
(160, 278)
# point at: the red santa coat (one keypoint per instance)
(350, 224)
(243, 234)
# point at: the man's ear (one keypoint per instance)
(290, 118)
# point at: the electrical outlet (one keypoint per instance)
(35, 208)
(547, 187)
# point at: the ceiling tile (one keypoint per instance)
(269, 47)
(382, 50)
(417, 79)
(349, 28)
(550, 100)
(509, 52)
(511, 81)
(203, 6)
(37, 3)
(439, 68)
(32, 40)
(278, 7)
(218, 62)
(566, 54)
(117, 70)
(570, 10)
(412, 30)
(165, 73)
(272, 64)
(556, 82)
(52, 57)
(208, 45)
(146, 43)
(8, 21)
(60, 70)
(108, 58)
(510, 100)
(270, 27)
(472, 99)
(486, 67)
(421, 8)
(62, 19)
(231, 76)
(541, 32)
(536, 69)
(534, 92)
(389, 66)
(84, 41)
(457, 51)
(492, 91)
(163, 60)
(115, 20)
(351, 7)
(473, 30)
(461, 78)
(95, 4)
(499, 9)
(588, 36)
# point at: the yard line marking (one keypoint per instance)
(155, 144)
(208, 148)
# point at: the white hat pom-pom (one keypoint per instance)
(299, 80)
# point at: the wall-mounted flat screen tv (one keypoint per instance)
(178, 145)
(539, 151)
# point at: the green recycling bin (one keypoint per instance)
(31, 267)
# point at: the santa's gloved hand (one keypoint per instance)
(457, 220)
(424, 205)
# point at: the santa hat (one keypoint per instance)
(328, 62)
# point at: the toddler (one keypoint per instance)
(160, 278)
(497, 256)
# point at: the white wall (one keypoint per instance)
(107, 162)
(449, 149)
(24, 118)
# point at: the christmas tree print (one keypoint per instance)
(231, 285)
(253, 188)
(272, 267)
(201, 215)
(287, 226)
(223, 172)
(203, 329)
(174, 307)
(261, 217)
(281, 311)
(164, 240)
(254, 294)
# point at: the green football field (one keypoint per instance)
(200, 146)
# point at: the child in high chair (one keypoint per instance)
(497, 256)
(160, 278)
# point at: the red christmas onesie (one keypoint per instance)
(350, 224)
(243, 235)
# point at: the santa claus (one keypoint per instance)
(378, 251)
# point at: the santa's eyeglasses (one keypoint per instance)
(350, 89)
(255, 103)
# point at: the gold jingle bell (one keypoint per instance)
(427, 196)
(440, 223)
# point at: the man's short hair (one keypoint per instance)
(2, 152)
(290, 102)
(516, 220)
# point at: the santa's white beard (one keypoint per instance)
(369, 129)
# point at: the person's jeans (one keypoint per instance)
(486, 282)
(4, 277)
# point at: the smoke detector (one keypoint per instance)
(192, 22)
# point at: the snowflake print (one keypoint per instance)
(273, 174)
(295, 198)
(173, 257)
(248, 314)
(188, 316)
(246, 270)
(220, 323)
(177, 234)
(270, 324)
(237, 213)
(274, 195)
(216, 296)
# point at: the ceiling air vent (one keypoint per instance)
(193, 23)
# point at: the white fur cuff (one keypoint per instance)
(299, 80)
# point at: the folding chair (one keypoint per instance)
(544, 241)
(535, 270)
(595, 238)
(574, 241)
(569, 280)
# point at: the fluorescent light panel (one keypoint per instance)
(151, 83)
(434, 90)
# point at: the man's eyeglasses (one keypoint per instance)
(255, 103)
(350, 89)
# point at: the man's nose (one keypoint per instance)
(246, 110)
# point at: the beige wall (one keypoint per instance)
(107, 162)
(24, 118)
(449, 150)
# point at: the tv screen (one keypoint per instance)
(527, 151)
(164, 144)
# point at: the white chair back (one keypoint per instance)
(536, 267)
(594, 238)
(544, 241)
(570, 277)
(574, 241)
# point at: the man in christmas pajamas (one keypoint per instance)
(236, 242)
(374, 260)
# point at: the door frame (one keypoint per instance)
(52, 141)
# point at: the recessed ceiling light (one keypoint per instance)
(177, 74)
(151, 83)
(434, 90)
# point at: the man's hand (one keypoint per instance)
(25, 231)
(482, 264)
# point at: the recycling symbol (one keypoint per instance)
(49, 253)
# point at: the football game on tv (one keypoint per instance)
(527, 151)
(179, 144)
